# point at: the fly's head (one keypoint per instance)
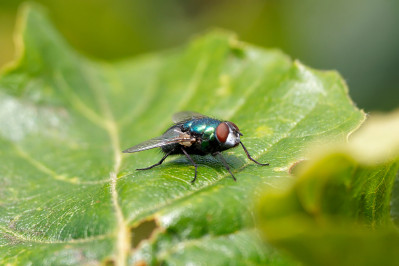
(228, 134)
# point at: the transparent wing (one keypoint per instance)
(186, 115)
(174, 135)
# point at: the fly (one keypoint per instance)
(193, 133)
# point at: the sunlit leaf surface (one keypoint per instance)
(69, 196)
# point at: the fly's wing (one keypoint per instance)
(186, 115)
(172, 136)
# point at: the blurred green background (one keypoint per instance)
(359, 38)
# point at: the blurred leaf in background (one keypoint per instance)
(340, 209)
(357, 37)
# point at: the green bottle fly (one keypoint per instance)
(194, 133)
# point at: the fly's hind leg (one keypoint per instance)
(158, 163)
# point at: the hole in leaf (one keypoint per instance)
(143, 231)
(297, 166)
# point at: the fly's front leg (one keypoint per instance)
(250, 157)
(225, 164)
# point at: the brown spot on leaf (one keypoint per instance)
(297, 166)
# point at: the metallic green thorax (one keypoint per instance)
(205, 128)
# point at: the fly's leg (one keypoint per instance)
(192, 161)
(249, 156)
(225, 164)
(158, 163)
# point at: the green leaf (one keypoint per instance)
(68, 194)
(338, 212)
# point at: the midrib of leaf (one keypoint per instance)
(123, 234)
(123, 242)
(108, 123)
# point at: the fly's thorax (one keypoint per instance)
(228, 134)
(204, 130)
(201, 127)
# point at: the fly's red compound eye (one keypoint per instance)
(222, 131)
